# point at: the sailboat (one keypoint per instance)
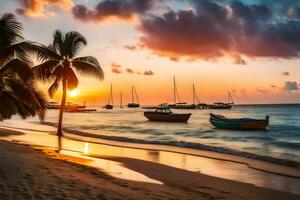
(134, 94)
(221, 105)
(110, 100)
(121, 106)
(182, 105)
(177, 104)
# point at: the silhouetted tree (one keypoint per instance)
(18, 91)
(59, 63)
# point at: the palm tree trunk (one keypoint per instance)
(62, 108)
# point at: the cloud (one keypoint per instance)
(115, 65)
(294, 13)
(148, 73)
(116, 70)
(120, 9)
(262, 91)
(130, 47)
(129, 70)
(38, 8)
(290, 86)
(285, 73)
(214, 29)
(239, 60)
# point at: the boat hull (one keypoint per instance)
(133, 105)
(239, 124)
(164, 117)
(220, 106)
(108, 106)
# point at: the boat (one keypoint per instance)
(164, 114)
(222, 122)
(221, 105)
(68, 106)
(74, 107)
(110, 103)
(53, 105)
(134, 104)
(182, 105)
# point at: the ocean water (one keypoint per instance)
(281, 140)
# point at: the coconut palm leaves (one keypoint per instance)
(18, 91)
(59, 64)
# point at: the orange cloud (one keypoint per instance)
(130, 47)
(116, 71)
(148, 73)
(38, 8)
(129, 71)
(115, 65)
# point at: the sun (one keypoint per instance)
(73, 93)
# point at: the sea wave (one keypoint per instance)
(184, 144)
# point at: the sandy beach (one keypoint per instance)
(34, 173)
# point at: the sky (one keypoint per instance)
(248, 47)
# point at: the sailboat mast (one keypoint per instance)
(230, 99)
(174, 89)
(112, 101)
(194, 100)
(132, 96)
(136, 96)
(121, 100)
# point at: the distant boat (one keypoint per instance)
(221, 105)
(164, 114)
(68, 106)
(110, 103)
(177, 104)
(53, 105)
(182, 105)
(222, 122)
(134, 94)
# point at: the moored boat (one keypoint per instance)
(164, 114)
(53, 105)
(222, 122)
(134, 104)
(220, 105)
(110, 103)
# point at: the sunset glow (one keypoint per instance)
(150, 99)
(139, 52)
(74, 93)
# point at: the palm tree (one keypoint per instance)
(18, 91)
(59, 63)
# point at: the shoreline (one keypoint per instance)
(266, 165)
(206, 162)
(78, 180)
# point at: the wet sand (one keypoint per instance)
(28, 173)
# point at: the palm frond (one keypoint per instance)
(26, 100)
(44, 71)
(88, 66)
(39, 100)
(10, 30)
(45, 53)
(17, 67)
(20, 50)
(74, 41)
(58, 42)
(70, 76)
(54, 86)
